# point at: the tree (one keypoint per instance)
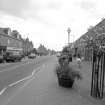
(42, 50)
(35, 50)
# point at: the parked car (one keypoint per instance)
(13, 56)
(32, 56)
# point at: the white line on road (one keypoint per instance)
(34, 72)
(2, 91)
(26, 78)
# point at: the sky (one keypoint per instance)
(46, 21)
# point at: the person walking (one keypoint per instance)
(78, 59)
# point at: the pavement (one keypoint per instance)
(43, 88)
(84, 86)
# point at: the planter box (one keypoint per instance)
(65, 82)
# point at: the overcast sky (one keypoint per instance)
(46, 21)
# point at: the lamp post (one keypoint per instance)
(68, 30)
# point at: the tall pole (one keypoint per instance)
(68, 30)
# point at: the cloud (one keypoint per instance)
(46, 21)
(54, 5)
(14, 7)
(94, 8)
(30, 8)
(87, 5)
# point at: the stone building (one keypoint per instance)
(13, 40)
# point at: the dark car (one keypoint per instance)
(13, 56)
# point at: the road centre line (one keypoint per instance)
(34, 72)
(26, 78)
(2, 91)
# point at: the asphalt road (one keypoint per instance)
(11, 73)
(43, 89)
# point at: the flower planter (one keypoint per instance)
(66, 75)
(65, 82)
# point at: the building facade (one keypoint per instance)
(13, 40)
(85, 40)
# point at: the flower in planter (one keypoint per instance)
(65, 73)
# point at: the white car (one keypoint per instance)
(58, 54)
(32, 56)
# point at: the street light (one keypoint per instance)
(68, 30)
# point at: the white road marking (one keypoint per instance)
(19, 81)
(26, 78)
(33, 76)
(2, 91)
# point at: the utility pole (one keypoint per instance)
(68, 30)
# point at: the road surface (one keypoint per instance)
(12, 73)
(42, 87)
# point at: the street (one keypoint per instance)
(40, 89)
(52, 52)
(33, 82)
(12, 74)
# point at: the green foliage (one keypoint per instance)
(64, 70)
(34, 50)
(42, 50)
(65, 50)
